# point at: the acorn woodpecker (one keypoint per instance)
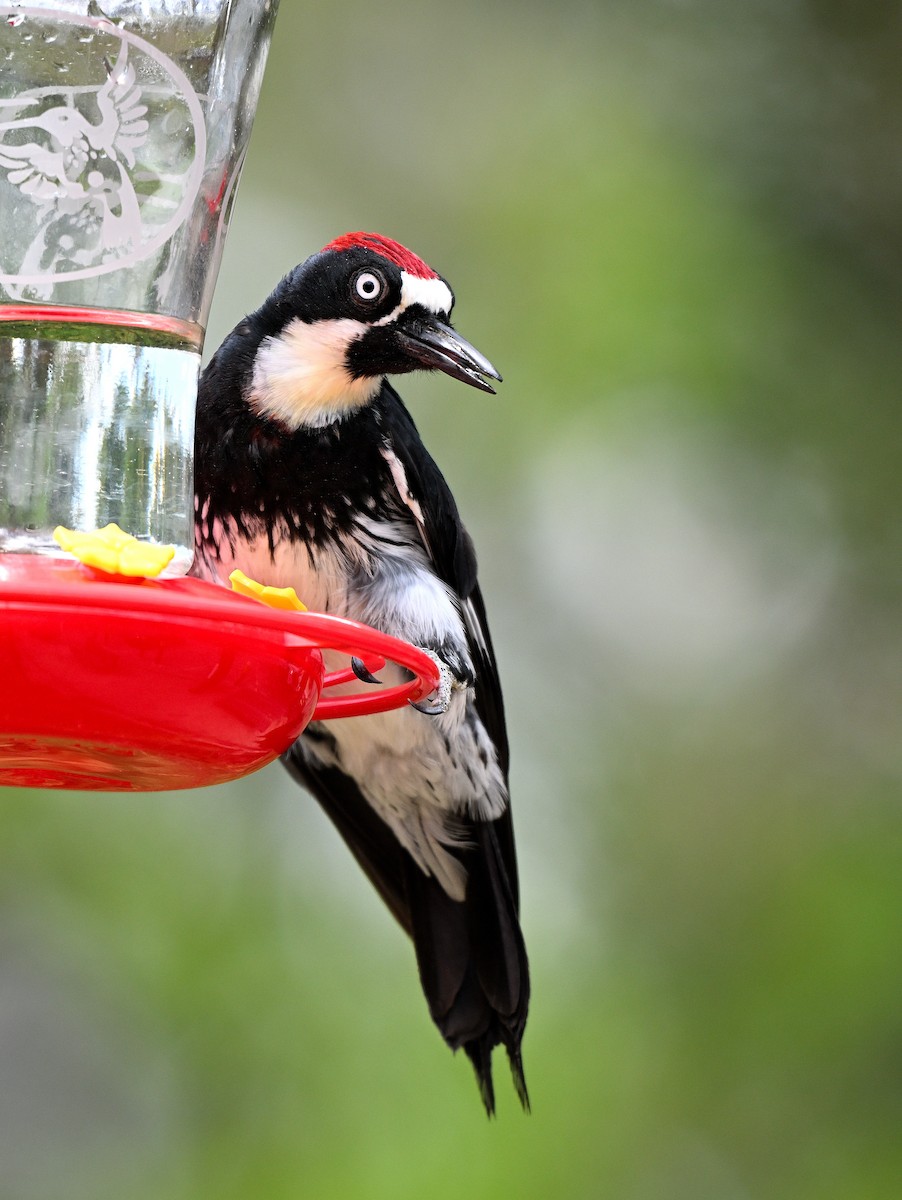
(310, 473)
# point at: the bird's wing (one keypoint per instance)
(470, 954)
(36, 171)
(471, 957)
(123, 129)
(423, 489)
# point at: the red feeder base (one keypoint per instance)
(146, 685)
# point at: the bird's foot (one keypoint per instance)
(359, 667)
(439, 701)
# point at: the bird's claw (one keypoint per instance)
(359, 667)
(439, 701)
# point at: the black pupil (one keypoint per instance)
(368, 285)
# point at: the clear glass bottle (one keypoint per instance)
(122, 136)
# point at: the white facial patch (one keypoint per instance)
(301, 377)
(433, 294)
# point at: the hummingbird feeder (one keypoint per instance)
(122, 137)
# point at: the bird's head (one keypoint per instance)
(361, 309)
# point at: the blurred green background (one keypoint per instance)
(675, 227)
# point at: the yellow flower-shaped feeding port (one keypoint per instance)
(114, 551)
(283, 598)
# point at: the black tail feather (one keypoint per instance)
(479, 1052)
(472, 959)
(516, 1065)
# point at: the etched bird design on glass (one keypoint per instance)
(78, 168)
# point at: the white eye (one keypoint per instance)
(369, 286)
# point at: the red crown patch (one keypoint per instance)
(393, 251)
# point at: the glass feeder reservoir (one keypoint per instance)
(122, 136)
(123, 131)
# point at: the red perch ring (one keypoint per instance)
(145, 685)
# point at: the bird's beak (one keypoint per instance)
(431, 343)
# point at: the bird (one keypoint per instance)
(78, 172)
(310, 473)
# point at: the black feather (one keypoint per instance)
(450, 546)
